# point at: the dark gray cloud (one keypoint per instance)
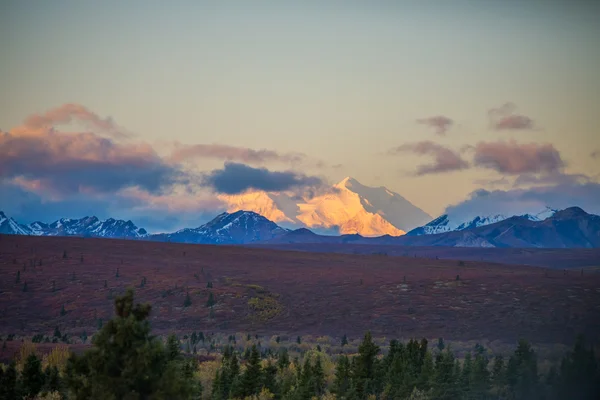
(236, 178)
(233, 153)
(514, 158)
(440, 123)
(66, 163)
(445, 159)
(506, 117)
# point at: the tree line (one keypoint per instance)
(127, 362)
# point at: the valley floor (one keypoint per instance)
(70, 283)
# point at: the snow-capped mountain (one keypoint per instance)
(446, 223)
(9, 226)
(87, 226)
(348, 208)
(237, 228)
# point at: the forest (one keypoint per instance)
(127, 361)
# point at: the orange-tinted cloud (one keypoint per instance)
(61, 162)
(514, 158)
(71, 112)
(445, 159)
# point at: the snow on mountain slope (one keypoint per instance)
(446, 223)
(394, 208)
(89, 226)
(235, 228)
(259, 202)
(344, 209)
(348, 208)
(9, 226)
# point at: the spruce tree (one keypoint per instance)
(251, 380)
(52, 381)
(173, 348)
(579, 373)
(522, 372)
(344, 340)
(465, 377)
(9, 388)
(480, 378)
(318, 377)
(126, 361)
(211, 300)
(270, 378)
(441, 345)
(283, 360)
(305, 387)
(18, 278)
(445, 385)
(364, 368)
(341, 381)
(32, 376)
(188, 300)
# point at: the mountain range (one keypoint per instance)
(86, 226)
(446, 223)
(568, 228)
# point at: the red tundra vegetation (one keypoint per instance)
(69, 283)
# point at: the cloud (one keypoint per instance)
(440, 123)
(71, 112)
(554, 178)
(154, 212)
(232, 153)
(531, 200)
(446, 159)
(83, 161)
(595, 154)
(492, 182)
(506, 117)
(236, 178)
(513, 158)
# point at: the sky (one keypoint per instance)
(149, 109)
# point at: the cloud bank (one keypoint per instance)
(445, 159)
(47, 172)
(532, 200)
(514, 158)
(236, 178)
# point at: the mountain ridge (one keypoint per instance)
(568, 228)
(446, 223)
(347, 207)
